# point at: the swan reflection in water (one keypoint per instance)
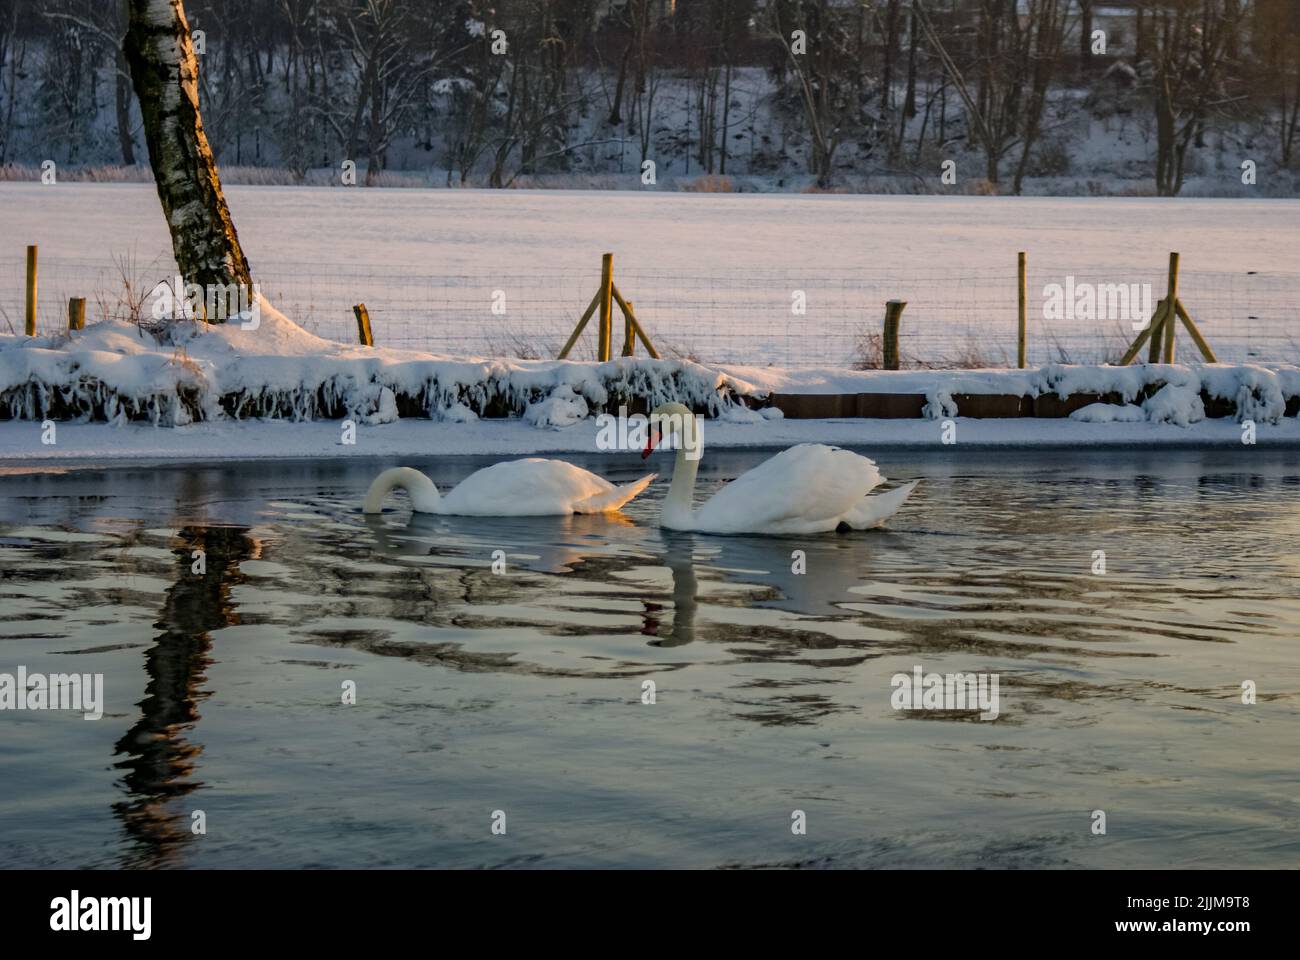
(550, 545)
(808, 576)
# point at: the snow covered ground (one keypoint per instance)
(207, 388)
(261, 364)
(80, 444)
(713, 271)
(712, 276)
(462, 231)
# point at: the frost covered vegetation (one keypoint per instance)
(718, 94)
(187, 372)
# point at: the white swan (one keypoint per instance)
(514, 488)
(809, 488)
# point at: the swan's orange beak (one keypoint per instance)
(650, 444)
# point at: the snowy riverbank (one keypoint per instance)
(268, 368)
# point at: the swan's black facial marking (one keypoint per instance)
(843, 527)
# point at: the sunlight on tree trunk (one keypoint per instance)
(164, 72)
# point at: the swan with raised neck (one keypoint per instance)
(807, 488)
(666, 420)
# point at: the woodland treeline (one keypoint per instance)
(889, 85)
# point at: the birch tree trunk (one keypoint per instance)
(164, 72)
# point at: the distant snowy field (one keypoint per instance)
(713, 276)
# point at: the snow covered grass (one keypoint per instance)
(119, 372)
(711, 274)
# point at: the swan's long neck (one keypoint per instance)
(421, 490)
(678, 504)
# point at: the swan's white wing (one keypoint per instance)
(613, 498)
(524, 488)
(807, 487)
(875, 510)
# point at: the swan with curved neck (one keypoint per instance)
(808, 488)
(532, 487)
(424, 495)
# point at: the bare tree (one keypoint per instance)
(122, 87)
(13, 51)
(1191, 39)
(1085, 33)
(102, 23)
(827, 75)
(871, 84)
(1277, 34)
(1045, 34)
(1013, 68)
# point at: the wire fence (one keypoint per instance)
(788, 319)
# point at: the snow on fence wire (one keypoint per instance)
(952, 319)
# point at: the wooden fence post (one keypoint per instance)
(76, 313)
(1171, 302)
(363, 325)
(30, 328)
(1021, 344)
(1199, 340)
(577, 331)
(1147, 331)
(629, 333)
(1157, 333)
(1168, 312)
(604, 300)
(606, 307)
(893, 314)
(633, 322)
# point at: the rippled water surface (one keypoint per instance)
(521, 692)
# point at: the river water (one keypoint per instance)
(500, 671)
